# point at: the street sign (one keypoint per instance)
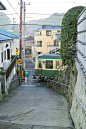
(19, 64)
(17, 50)
(19, 61)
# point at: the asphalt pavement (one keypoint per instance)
(33, 105)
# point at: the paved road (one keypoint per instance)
(34, 106)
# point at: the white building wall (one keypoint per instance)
(14, 44)
(3, 48)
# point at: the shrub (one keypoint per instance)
(69, 33)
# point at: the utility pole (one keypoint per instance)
(20, 49)
(24, 36)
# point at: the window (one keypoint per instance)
(57, 64)
(40, 64)
(58, 30)
(49, 64)
(40, 33)
(58, 43)
(39, 53)
(8, 54)
(2, 57)
(55, 43)
(40, 43)
(48, 33)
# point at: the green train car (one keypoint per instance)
(48, 65)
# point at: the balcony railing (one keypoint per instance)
(38, 45)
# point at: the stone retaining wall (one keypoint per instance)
(76, 81)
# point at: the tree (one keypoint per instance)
(69, 33)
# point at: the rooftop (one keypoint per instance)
(8, 33)
(29, 38)
(2, 7)
(49, 56)
(50, 27)
(4, 38)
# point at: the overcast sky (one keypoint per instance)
(40, 6)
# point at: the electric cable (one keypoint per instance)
(12, 7)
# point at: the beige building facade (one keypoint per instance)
(29, 42)
(46, 39)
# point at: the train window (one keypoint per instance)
(57, 64)
(49, 64)
(39, 64)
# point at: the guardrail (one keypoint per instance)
(70, 90)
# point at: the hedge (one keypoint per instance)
(69, 33)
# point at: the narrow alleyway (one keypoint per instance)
(34, 106)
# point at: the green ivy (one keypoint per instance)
(69, 33)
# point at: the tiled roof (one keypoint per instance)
(8, 33)
(4, 38)
(50, 27)
(58, 36)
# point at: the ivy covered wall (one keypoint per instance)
(69, 33)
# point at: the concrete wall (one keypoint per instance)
(77, 82)
(6, 86)
(77, 112)
(3, 48)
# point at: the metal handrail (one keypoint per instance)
(12, 81)
(58, 69)
(8, 71)
(71, 91)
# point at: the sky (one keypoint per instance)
(41, 8)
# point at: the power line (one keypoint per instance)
(36, 14)
(8, 14)
(32, 19)
(57, 2)
(24, 24)
(12, 7)
(46, 14)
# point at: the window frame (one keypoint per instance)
(8, 54)
(40, 63)
(48, 32)
(49, 66)
(5, 55)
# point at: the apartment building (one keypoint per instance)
(46, 39)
